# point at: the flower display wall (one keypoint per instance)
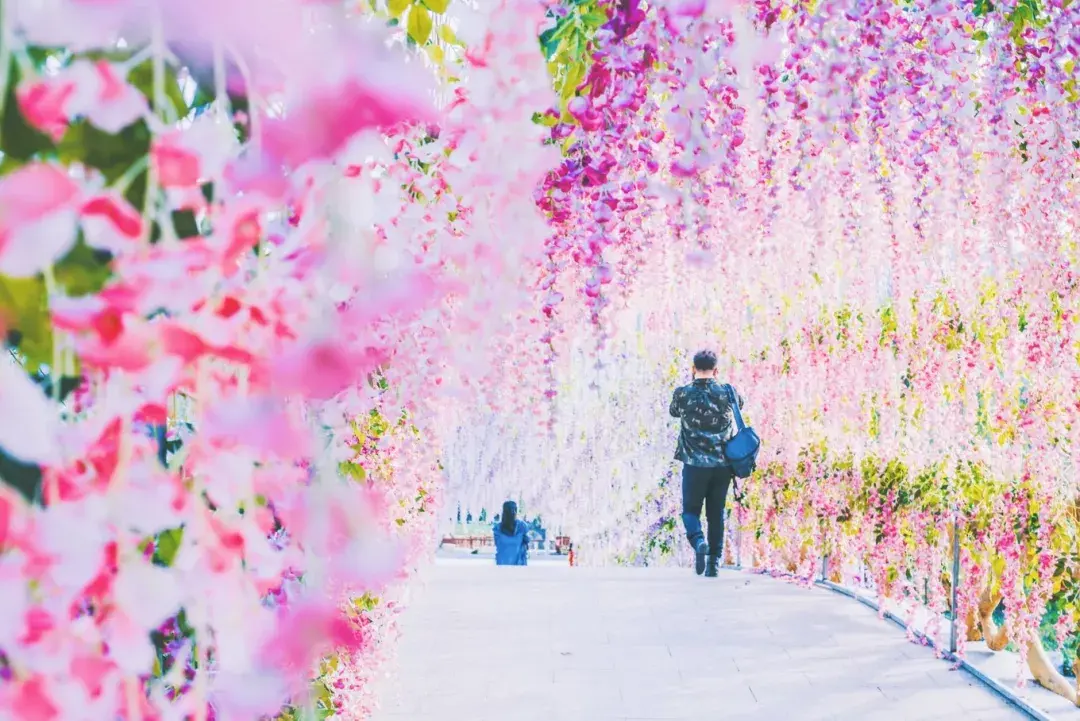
(257, 280)
(246, 269)
(868, 210)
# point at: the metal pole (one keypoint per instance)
(824, 566)
(738, 547)
(955, 582)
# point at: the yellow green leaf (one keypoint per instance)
(353, 470)
(24, 307)
(447, 34)
(436, 6)
(419, 24)
(397, 7)
(436, 54)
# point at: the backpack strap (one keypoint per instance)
(734, 406)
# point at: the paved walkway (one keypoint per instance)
(555, 643)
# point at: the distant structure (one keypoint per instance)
(475, 534)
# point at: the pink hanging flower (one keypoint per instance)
(176, 166)
(322, 369)
(38, 217)
(28, 420)
(327, 117)
(104, 97)
(110, 223)
(43, 103)
(29, 700)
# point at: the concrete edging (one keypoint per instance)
(993, 684)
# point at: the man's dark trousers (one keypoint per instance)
(708, 486)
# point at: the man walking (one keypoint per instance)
(705, 412)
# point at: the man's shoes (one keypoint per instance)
(711, 564)
(700, 554)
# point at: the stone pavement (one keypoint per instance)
(553, 643)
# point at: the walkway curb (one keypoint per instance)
(993, 684)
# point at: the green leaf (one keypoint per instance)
(545, 119)
(23, 477)
(83, 270)
(353, 470)
(203, 96)
(185, 224)
(68, 383)
(981, 36)
(551, 40)
(447, 34)
(142, 77)
(17, 139)
(549, 43)
(419, 24)
(111, 154)
(324, 701)
(574, 75)
(24, 309)
(166, 546)
(397, 8)
(983, 7)
(436, 6)
(594, 18)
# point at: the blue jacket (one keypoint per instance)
(511, 550)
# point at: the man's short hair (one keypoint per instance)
(704, 360)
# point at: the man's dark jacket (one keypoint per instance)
(707, 419)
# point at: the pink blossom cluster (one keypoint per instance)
(868, 209)
(307, 242)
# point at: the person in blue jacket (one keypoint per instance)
(511, 538)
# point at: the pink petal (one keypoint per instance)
(91, 672)
(688, 8)
(176, 166)
(43, 105)
(129, 644)
(323, 369)
(148, 594)
(328, 117)
(110, 223)
(107, 100)
(306, 633)
(261, 424)
(30, 701)
(28, 420)
(37, 218)
(31, 248)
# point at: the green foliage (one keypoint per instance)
(419, 24)
(366, 603)
(23, 477)
(24, 311)
(352, 470)
(568, 45)
(1025, 14)
(166, 545)
(69, 381)
(113, 155)
(142, 78)
(185, 224)
(83, 270)
(19, 141)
